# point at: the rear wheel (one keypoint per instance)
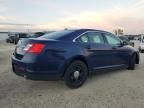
(76, 74)
(132, 62)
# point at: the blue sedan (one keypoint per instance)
(71, 55)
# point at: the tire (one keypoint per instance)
(6, 41)
(76, 74)
(140, 50)
(15, 42)
(132, 62)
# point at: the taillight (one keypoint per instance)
(35, 48)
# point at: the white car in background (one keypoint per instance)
(141, 46)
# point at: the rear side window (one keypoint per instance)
(83, 38)
(57, 35)
(91, 37)
(95, 37)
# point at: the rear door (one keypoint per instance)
(100, 55)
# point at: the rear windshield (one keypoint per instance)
(57, 34)
(22, 35)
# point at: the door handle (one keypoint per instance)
(88, 47)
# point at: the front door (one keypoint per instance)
(116, 49)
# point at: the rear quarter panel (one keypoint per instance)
(57, 56)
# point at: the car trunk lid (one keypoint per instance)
(30, 45)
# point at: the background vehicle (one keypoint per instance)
(71, 55)
(141, 38)
(126, 40)
(141, 46)
(37, 34)
(34, 35)
(11, 38)
(15, 37)
(19, 36)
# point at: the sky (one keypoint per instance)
(59, 14)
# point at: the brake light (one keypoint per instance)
(35, 48)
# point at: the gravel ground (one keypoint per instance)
(116, 89)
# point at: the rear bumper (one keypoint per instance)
(25, 70)
(38, 77)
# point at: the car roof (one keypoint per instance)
(89, 30)
(76, 32)
(71, 34)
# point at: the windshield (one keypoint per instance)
(56, 35)
(124, 38)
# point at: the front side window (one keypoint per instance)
(112, 40)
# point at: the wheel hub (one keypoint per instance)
(76, 74)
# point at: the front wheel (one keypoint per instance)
(132, 62)
(140, 50)
(15, 42)
(76, 74)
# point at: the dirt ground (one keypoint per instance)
(116, 89)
